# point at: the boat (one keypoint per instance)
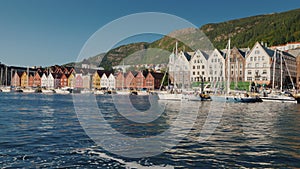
(171, 93)
(232, 96)
(5, 89)
(297, 97)
(62, 91)
(279, 96)
(122, 92)
(282, 97)
(48, 91)
(98, 92)
(18, 90)
(28, 90)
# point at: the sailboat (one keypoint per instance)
(171, 94)
(279, 96)
(234, 97)
(5, 88)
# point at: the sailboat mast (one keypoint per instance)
(281, 71)
(274, 64)
(27, 76)
(228, 65)
(6, 76)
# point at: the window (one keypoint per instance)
(264, 65)
(257, 78)
(251, 58)
(203, 67)
(193, 73)
(258, 58)
(249, 78)
(241, 73)
(241, 66)
(256, 52)
(193, 67)
(215, 72)
(249, 72)
(256, 65)
(264, 78)
(198, 73)
(254, 58)
(263, 58)
(264, 72)
(249, 64)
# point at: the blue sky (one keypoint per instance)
(48, 32)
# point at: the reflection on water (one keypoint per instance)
(42, 131)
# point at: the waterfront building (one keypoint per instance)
(63, 81)
(71, 80)
(140, 80)
(37, 79)
(237, 65)
(259, 66)
(86, 81)
(16, 80)
(199, 66)
(78, 80)
(111, 81)
(50, 81)
(96, 80)
(44, 80)
(120, 81)
(130, 80)
(30, 79)
(216, 67)
(104, 81)
(24, 79)
(179, 69)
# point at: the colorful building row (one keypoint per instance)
(58, 77)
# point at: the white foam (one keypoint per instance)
(127, 164)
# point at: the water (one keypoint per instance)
(43, 131)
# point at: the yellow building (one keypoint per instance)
(96, 80)
(24, 79)
(71, 81)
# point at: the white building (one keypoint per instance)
(50, 81)
(104, 81)
(199, 66)
(44, 80)
(216, 66)
(259, 66)
(86, 81)
(179, 69)
(111, 81)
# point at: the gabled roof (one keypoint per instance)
(101, 72)
(187, 56)
(157, 75)
(19, 73)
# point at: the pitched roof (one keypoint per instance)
(157, 75)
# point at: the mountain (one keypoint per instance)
(274, 29)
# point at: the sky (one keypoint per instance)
(49, 32)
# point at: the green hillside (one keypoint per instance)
(274, 29)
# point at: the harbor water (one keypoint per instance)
(43, 131)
